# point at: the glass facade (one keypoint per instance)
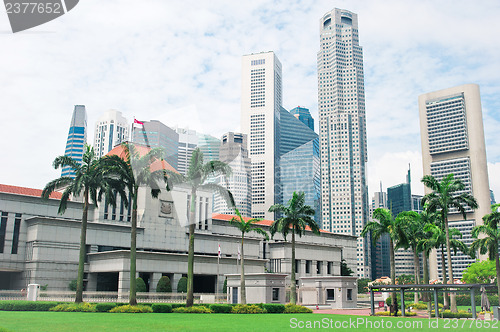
(77, 137)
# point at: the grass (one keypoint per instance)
(81, 321)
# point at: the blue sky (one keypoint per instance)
(180, 62)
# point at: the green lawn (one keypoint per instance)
(64, 321)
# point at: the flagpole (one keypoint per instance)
(217, 279)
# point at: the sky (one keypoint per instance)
(180, 62)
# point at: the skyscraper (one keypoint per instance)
(155, 134)
(261, 100)
(188, 141)
(110, 130)
(233, 151)
(210, 147)
(303, 114)
(299, 161)
(77, 138)
(452, 136)
(342, 127)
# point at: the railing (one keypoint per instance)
(69, 296)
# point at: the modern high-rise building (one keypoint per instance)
(233, 151)
(299, 161)
(381, 265)
(155, 134)
(342, 127)
(452, 135)
(188, 141)
(210, 147)
(77, 138)
(261, 100)
(110, 130)
(303, 114)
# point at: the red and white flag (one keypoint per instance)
(138, 122)
(218, 252)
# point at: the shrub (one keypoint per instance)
(388, 313)
(132, 309)
(247, 309)
(296, 309)
(221, 308)
(182, 285)
(224, 287)
(27, 305)
(72, 285)
(459, 314)
(161, 307)
(273, 308)
(74, 307)
(164, 285)
(140, 285)
(177, 305)
(104, 307)
(193, 310)
(422, 306)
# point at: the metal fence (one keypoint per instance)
(68, 296)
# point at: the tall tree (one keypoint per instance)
(196, 178)
(91, 178)
(448, 194)
(135, 171)
(297, 219)
(385, 225)
(489, 242)
(245, 227)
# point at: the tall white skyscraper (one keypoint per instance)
(110, 130)
(261, 100)
(342, 126)
(452, 134)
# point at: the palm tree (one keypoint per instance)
(196, 178)
(488, 243)
(445, 196)
(245, 227)
(297, 219)
(413, 233)
(136, 171)
(385, 225)
(93, 179)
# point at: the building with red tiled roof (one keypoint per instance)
(4, 188)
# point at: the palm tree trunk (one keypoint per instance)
(242, 283)
(446, 302)
(417, 272)
(133, 249)
(293, 287)
(393, 268)
(426, 279)
(192, 225)
(83, 248)
(497, 265)
(453, 299)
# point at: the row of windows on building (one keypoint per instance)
(15, 234)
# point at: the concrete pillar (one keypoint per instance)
(153, 282)
(92, 282)
(123, 285)
(174, 281)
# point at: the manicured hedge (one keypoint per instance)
(221, 308)
(27, 305)
(274, 308)
(193, 310)
(247, 309)
(388, 313)
(459, 314)
(162, 307)
(104, 307)
(132, 309)
(296, 309)
(74, 307)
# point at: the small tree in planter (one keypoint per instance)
(164, 285)
(182, 285)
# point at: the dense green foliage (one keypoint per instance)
(480, 273)
(363, 285)
(27, 305)
(388, 313)
(224, 286)
(74, 307)
(182, 285)
(164, 285)
(104, 307)
(459, 314)
(193, 310)
(221, 308)
(132, 309)
(162, 307)
(273, 308)
(140, 285)
(72, 285)
(405, 279)
(344, 269)
(247, 309)
(296, 309)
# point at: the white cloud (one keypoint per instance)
(181, 60)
